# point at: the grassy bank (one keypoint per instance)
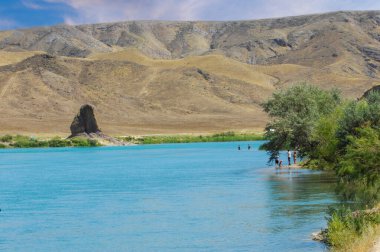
(220, 137)
(18, 141)
(353, 231)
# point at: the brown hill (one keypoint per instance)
(161, 77)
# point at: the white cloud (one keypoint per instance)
(276, 8)
(32, 5)
(90, 11)
(295, 7)
(95, 11)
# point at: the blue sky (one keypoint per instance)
(29, 13)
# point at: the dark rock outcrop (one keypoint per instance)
(85, 125)
(84, 122)
(281, 42)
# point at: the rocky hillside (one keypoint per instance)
(156, 76)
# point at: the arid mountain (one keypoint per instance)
(162, 77)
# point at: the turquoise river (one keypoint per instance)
(175, 197)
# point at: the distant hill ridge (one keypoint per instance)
(141, 73)
(256, 41)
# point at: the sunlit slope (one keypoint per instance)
(134, 93)
(42, 93)
(7, 58)
(344, 73)
(215, 64)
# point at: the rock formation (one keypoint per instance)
(84, 123)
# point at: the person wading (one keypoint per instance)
(289, 157)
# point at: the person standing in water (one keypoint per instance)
(289, 157)
(249, 147)
(238, 147)
(277, 161)
(295, 157)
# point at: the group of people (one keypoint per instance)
(249, 147)
(278, 162)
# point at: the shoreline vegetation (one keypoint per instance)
(21, 141)
(229, 136)
(338, 135)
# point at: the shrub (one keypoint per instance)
(27, 142)
(58, 142)
(220, 137)
(6, 138)
(84, 142)
(344, 226)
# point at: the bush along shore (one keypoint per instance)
(220, 137)
(337, 135)
(18, 141)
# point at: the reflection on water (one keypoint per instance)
(182, 197)
(300, 194)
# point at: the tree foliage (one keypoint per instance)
(325, 152)
(358, 114)
(294, 112)
(348, 142)
(362, 156)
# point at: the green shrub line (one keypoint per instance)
(220, 137)
(338, 135)
(19, 141)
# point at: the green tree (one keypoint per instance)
(362, 157)
(294, 112)
(324, 155)
(359, 114)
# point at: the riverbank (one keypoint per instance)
(20, 141)
(369, 241)
(195, 138)
(357, 231)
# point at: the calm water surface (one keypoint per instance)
(180, 197)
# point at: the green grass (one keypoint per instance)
(221, 137)
(84, 142)
(19, 141)
(346, 228)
